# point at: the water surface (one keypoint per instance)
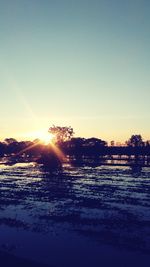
(82, 217)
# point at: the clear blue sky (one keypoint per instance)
(84, 63)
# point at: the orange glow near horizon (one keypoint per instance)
(43, 135)
(48, 140)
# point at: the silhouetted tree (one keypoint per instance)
(112, 143)
(94, 142)
(135, 141)
(61, 134)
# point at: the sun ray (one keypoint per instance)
(59, 153)
(43, 136)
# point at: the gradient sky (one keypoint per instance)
(84, 63)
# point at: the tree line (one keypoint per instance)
(63, 137)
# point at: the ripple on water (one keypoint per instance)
(105, 205)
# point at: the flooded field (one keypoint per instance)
(81, 217)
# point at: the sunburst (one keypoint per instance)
(43, 135)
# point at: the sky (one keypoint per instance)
(79, 63)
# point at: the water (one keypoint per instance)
(83, 217)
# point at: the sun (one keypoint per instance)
(46, 138)
(43, 135)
